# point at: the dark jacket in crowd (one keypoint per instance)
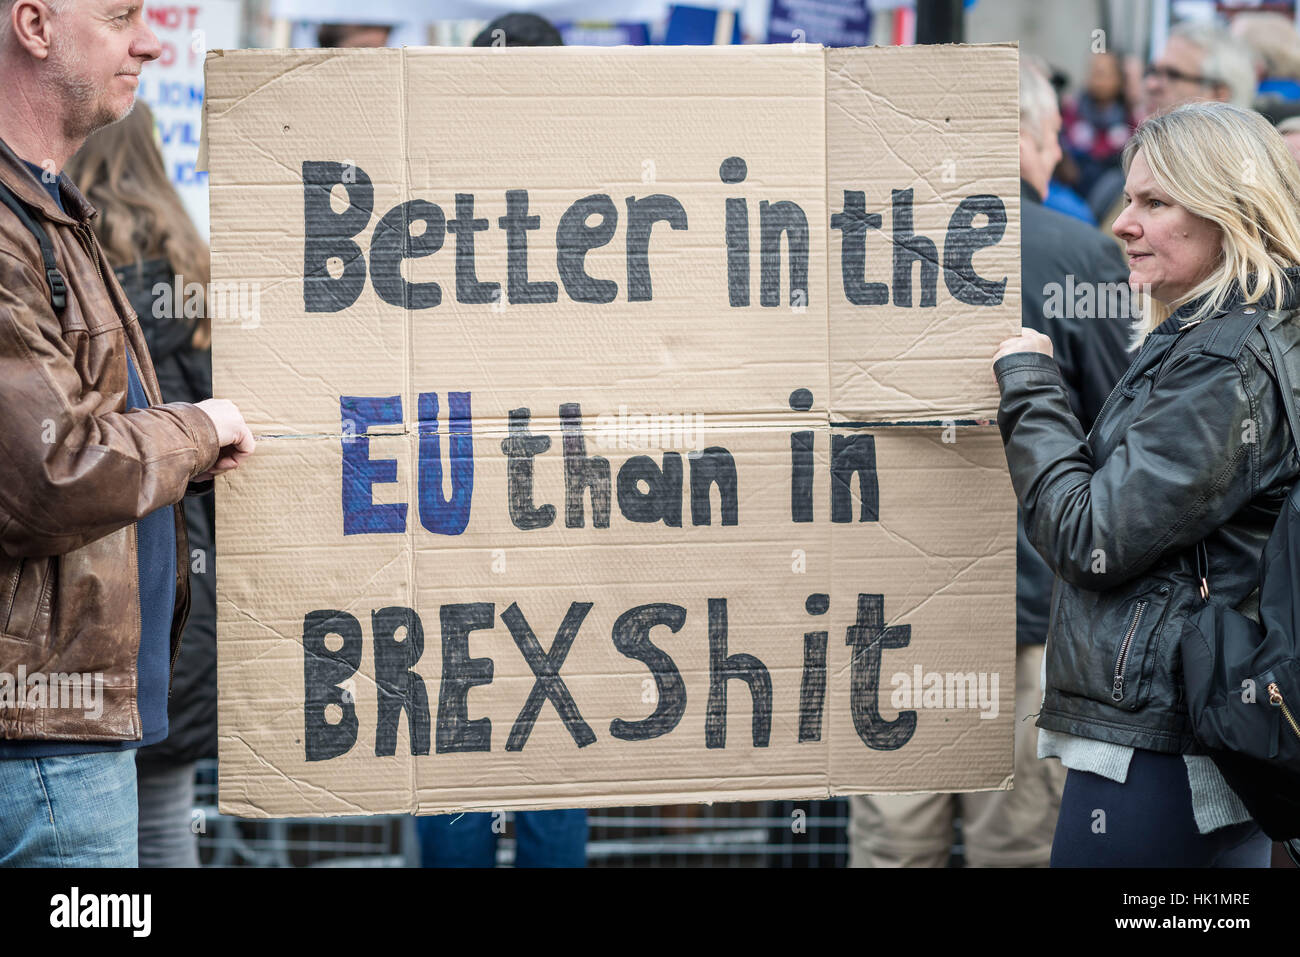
(1191, 457)
(184, 375)
(1060, 255)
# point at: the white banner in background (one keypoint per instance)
(173, 87)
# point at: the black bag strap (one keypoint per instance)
(1230, 333)
(1284, 385)
(1229, 338)
(58, 288)
(1227, 341)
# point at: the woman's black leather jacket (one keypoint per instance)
(1192, 446)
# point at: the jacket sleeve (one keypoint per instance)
(1186, 465)
(69, 473)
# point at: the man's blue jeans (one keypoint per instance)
(542, 839)
(76, 810)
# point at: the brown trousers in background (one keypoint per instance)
(999, 828)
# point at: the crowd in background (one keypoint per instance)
(1253, 64)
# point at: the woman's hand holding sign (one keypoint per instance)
(1027, 341)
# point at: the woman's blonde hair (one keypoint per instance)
(1227, 165)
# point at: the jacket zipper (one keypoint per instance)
(171, 667)
(1110, 399)
(1121, 662)
(92, 249)
(1276, 700)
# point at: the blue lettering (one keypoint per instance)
(180, 131)
(438, 514)
(184, 174)
(176, 93)
(360, 472)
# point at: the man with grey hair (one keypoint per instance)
(1290, 130)
(94, 563)
(1071, 276)
(1199, 62)
(1040, 124)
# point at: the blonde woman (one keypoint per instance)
(1179, 481)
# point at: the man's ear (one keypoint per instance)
(30, 22)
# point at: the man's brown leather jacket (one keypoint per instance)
(77, 471)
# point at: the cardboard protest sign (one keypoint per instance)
(615, 424)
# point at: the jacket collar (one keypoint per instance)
(1029, 194)
(1178, 319)
(15, 174)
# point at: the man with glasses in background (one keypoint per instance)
(1200, 61)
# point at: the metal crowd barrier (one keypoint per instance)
(763, 834)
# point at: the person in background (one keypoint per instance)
(1201, 61)
(1290, 130)
(1063, 188)
(353, 35)
(1273, 40)
(1014, 828)
(542, 838)
(519, 30)
(1098, 122)
(1062, 197)
(162, 264)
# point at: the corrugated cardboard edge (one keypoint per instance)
(243, 809)
(201, 162)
